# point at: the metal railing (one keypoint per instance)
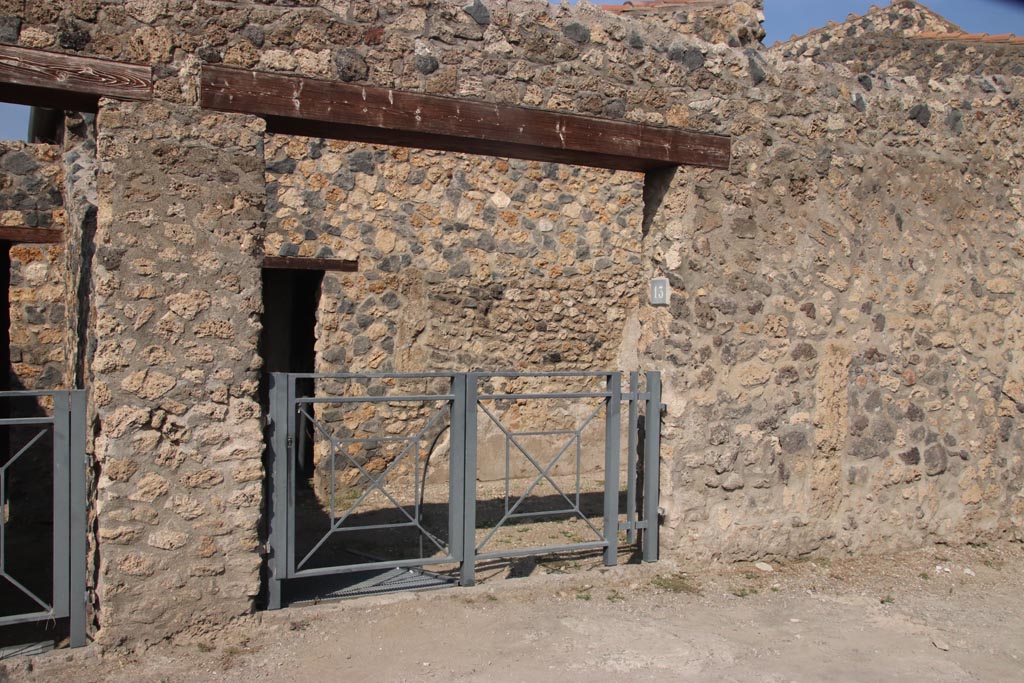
(41, 446)
(465, 404)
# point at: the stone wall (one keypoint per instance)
(899, 19)
(736, 23)
(31, 177)
(905, 38)
(841, 357)
(176, 303)
(464, 262)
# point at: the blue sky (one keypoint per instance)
(783, 18)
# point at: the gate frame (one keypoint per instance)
(69, 597)
(464, 406)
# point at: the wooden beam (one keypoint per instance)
(306, 106)
(304, 263)
(34, 235)
(62, 81)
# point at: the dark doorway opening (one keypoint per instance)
(288, 340)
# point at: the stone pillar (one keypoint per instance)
(175, 314)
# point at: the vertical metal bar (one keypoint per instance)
(61, 503)
(579, 466)
(79, 526)
(652, 466)
(456, 467)
(508, 469)
(631, 458)
(277, 477)
(468, 570)
(611, 468)
(288, 481)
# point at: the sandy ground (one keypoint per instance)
(939, 614)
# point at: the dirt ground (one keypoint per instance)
(939, 614)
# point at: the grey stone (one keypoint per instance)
(859, 424)
(757, 74)
(791, 442)
(614, 109)
(690, 57)
(362, 162)
(479, 12)
(910, 457)
(935, 460)
(744, 228)
(803, 351)
(9, 27)
(865, 82)
(18, 163)
(920, 113)
(884, 432)
(209, 54)
(426, 64)
(955, 121)
(70, 36)
(254, 34)
(1003, 84)
(351, 66)
(576, 32)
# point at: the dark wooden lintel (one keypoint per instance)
(304, 263)
(34, 235)
(63, 81)
(307, 106)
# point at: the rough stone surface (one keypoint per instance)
(31, 176)
(157, 357)
(841, 358)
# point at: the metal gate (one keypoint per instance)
(42, 508)
(378, 473)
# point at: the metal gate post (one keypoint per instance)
(631, 456)
(612, 445)
(467, 574)
(277, 484)
(457, 467)
(79, 598)
(652, 466)
(61, 504)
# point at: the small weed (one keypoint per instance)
(676, 583)
(743, 591)
(924, 575)
(750, 575)
(490, 597)
(887, 600)
(583, 595)
(300, 625)
(616, 596)
(775, 589)
(204, 647)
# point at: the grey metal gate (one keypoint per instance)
(42, 509)
(349, 458)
